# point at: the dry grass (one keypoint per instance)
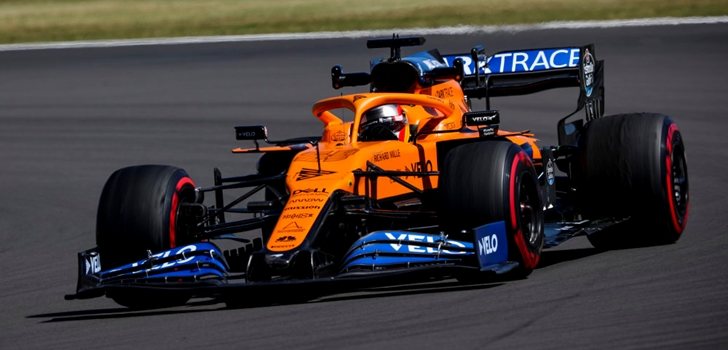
(50, 20)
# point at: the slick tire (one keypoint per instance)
(138, 213)
(634, 166)
(492, 181)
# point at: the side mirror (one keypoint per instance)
(257, 132)
(340, 80)
(479, 118)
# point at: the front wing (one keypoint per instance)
(381, 257)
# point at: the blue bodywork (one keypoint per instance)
(379, 252)
(520, 61)
(492, 245)
(424, 61)
(505, 62)
(500, 63)
(189, 264)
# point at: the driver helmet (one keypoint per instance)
(386, 122)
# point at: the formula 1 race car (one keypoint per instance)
(417, 184)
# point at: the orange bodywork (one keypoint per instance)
(434, 114)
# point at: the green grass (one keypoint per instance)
(53, 20)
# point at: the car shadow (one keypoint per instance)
(381, 292)
(122, 312)
(553, 257)
(212, 305)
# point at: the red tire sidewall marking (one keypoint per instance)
(676, 224)
(530, 259)
(185, 181)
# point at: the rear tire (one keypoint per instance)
(495, 181)
(634, 165)
(138, 213)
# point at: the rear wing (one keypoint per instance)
(521, 72)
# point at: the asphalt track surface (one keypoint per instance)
(68, 118)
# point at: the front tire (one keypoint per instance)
(495, 181)
(137, 214)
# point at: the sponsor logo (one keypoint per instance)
(535, 60)
(492, 244)
(468, 66)
(522, 61)
(297, 216)
(92, 264)
(310, 191)
(488, 244)
(306, 173)
(382, 156)
(550, 173)
(419, 167)
(286, 239)
(487, 131)
(339, 136)
(446, 92)
(250, 132)
(420, 238)
(303, 207)
(179, 252)
(292, 227)
(282, 246)
(483, 119)
(307, 200)
(431, 64)
(588, 67)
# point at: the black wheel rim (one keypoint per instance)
(679, 179)
(529, 218)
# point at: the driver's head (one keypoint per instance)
(385, 122)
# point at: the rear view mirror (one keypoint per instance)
(257, 132)
(479, 118)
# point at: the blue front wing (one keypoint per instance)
(380, 252)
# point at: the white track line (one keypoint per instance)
(457, 30)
